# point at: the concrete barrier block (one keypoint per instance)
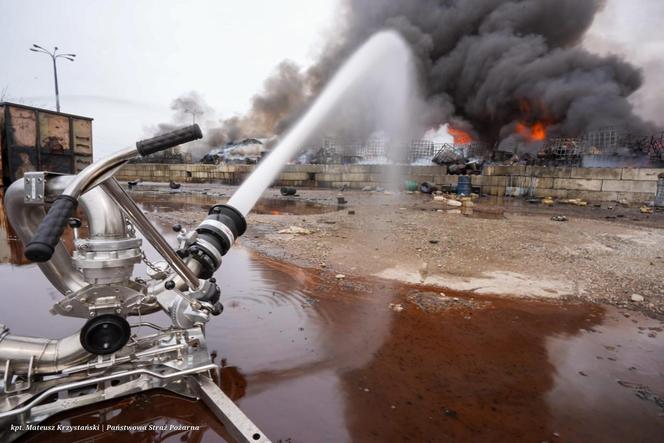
(476, 180)
(294, 176)
(354, 177)
(597, 173)
(555, 172)
(635, 197)
(641, 173)
(498, 180)
(549, 192)
(579, 184)
(544, 182)
(630, 186)
(598, 196)
(328, 177)
(501, 170)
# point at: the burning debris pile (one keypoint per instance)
(247, 151)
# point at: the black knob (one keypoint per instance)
(74, 222)
(170, 284)
(213, 280)
(177, 227)
(105, 334)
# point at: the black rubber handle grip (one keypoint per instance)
(168, 140)
(42, 245)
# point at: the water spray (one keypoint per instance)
(383, 47)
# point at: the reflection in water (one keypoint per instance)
(310, 358)
(610, 377)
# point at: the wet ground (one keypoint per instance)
(168, 202)
(311, 358)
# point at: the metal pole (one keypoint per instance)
(150, 233)
(55, 77)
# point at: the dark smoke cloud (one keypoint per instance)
(484, 65)
(284, 95)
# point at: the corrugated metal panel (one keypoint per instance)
(23, 127)
(21, 133)
(54, 134)
(81, 162)
(82, 137)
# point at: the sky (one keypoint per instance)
(135, 57)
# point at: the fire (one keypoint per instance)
(533, 133)
(460, 137)
(531, 129)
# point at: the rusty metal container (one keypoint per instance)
(34, 139)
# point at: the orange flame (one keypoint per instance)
(530, 128)
(533, 133)
(460, 137)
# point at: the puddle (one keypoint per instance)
(310, 358)
(161, 202)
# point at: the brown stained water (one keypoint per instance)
(312, 359)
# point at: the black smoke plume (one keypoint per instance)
(488, 66)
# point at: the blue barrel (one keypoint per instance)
(463, 185)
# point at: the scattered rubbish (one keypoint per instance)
(574, 201)
(533, 201)
(174, 185)
(637, 298)
(339, 276)
(436, 302)
(646, 210)
(434, 242)
(368, 188)
(583, 373)
(426, 188)
(351, 212)
(449, 412)
(295, 230)
(286, 191)
(447, 201)
(396, 307)
(132, 183)
(547, 201)
(341, 200)
(379, 189)
(643, 392)
(559, 218)
(454, 211)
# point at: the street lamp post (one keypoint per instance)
(193, 113)
(54, 56)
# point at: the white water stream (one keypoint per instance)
(382, 65)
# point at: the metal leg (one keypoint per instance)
(237, 424)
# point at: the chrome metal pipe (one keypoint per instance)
(104, 218)
(150, 233)
(50, 356)
(98, 172)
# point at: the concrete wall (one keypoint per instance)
(593, 184)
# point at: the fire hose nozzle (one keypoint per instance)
(216, 235)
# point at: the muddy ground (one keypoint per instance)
(607, 253)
